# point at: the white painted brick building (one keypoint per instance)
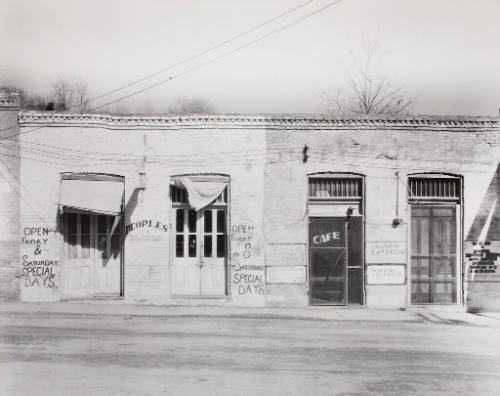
(313, 211)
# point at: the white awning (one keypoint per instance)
(95, 193)
(201, 190)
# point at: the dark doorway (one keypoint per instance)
(336, 260)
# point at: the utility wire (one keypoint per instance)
(201, 53)
(194, 68)
(192, 57)
(19, 192)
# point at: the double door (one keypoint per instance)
(92, 255)
(199, 265)
(336, 260)
(433, 254)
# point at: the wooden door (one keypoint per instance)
(107, 257)
(78, 255)
(92, 256)
(213, 258)
(199, 266)
(434, 254)
(186, 264)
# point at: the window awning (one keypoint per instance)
(97, 193)
(202, 190)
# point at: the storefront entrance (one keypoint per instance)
(435, 202)
(92, 256)
(200, 252)
(336, 239)
(434, 254)
(199, 257)
(335, 257)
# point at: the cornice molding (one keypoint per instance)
(285, 122)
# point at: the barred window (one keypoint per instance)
(335, 188)
(434, 188)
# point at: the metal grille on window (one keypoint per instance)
(435, 189)
(335, 188)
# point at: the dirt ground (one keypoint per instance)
(47, 353)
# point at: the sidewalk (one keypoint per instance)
(415, 315)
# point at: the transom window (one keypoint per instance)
(180, 196)
(434, 187)
(326, 188)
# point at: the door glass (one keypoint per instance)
(179, 245)
(221, 221)
(221, 233)
(192, 220)
(207, 246)
(328, 265)
(101, 224)
(221, 245)
(71, 236)
(85, 235)
(71, 222)
(208, 239)
(433, 260)
(102, 236)
(179, 220)
(192, 245)
(208, 221)
(355, 286)
(328, 276)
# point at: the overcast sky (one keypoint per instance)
(444, 52)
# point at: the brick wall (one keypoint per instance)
(377, 150)
(10, 191)
(264, 158)
(236, 152)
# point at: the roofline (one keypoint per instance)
(251, 121)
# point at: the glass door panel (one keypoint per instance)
(213, 261)
(186, 265)
(433, 256)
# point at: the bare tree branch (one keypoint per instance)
(194, 105)
(69, 94)
(368, 94)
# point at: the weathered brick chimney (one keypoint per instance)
(10, 205)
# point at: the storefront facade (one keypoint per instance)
(259, 211)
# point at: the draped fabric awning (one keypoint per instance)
(97, 193)
(202, 190)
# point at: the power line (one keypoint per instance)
(19, 192)
(192, 57)
(249, 153)
(194, 68)
(204, 52)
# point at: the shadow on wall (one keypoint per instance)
(484, 236)
(116, 239)
(130, 207)
(485, 211)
